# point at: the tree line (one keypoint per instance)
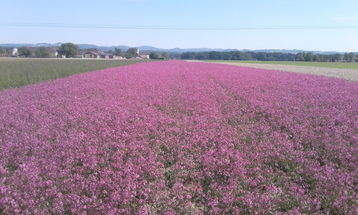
(41, 52)
(66, 49)
(132, 52)
(70, 50)
(264, 56)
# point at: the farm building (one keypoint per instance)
(14, 52)
(144, 56)
(106, 55)
(118, 57)
(97, 55)
(91, 54)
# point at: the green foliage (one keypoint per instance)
(132, 52)
(349, 57)
(2, 51)
(118, 52)
(288, 204)
(287, 166)
(19, 72)
(68, 50)
(308, 57)
(24, 52)
(154, 55)
(42, 52)
(265, 56)
(169, 178)
(165, 55)
(92, 49)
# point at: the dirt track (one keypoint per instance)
(348, 74)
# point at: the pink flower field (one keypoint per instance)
(175, 137)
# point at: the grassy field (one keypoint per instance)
(296, 63)
(20, 72)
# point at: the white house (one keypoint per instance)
(144, 56)
(118, 57)
(91, 54)
(14, 52)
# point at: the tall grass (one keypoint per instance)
(21, 72)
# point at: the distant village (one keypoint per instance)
(55, 52)
(70, 50)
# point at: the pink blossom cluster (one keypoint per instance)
(176, 137)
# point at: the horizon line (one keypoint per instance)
(138, 46)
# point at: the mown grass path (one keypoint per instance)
(313, 69)
(337, 65)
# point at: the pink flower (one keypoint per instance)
(175, 137)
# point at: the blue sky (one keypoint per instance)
(243, 13)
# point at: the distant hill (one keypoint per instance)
(151, 48)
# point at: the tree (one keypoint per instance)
(349, 57)
(132, 52)
(42, 52)
(24, 52)
(154, 55)
(118, 52)
(308, 56)
(275, 56)
(68, 50)
(2, 51)
(337, 57)
(165, 55)
(91, 50)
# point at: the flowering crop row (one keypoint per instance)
(180, 138)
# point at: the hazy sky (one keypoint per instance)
(243, 13)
